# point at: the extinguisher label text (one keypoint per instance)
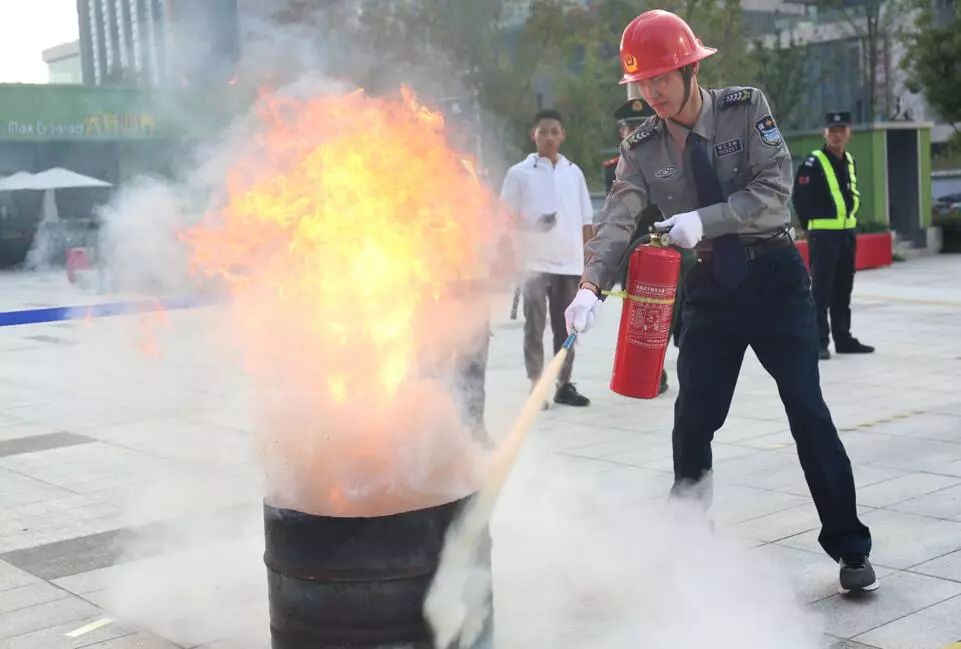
(651, 312)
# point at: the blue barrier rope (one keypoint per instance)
(58, 313)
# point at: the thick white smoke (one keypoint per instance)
(581, 561)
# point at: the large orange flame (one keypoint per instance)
(346, 231)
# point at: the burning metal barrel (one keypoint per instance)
(346, 583)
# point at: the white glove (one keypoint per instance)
(583, 311)
(686, 229)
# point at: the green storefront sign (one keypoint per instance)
(70, 113)
(109, 125)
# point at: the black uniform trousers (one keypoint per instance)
(832, 278)
(772, 311)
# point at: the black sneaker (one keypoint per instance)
(568, 395)
(852, 346)
(824, 354)
(857, 575)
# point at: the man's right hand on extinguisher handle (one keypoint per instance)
(685, 229)
(583, 310)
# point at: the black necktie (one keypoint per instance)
(730, 263)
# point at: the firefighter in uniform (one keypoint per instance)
(715, 162)
(826, 200)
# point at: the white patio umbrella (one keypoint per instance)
(48, 181)
(17, 181)
(60, 178)
(44, 247)
(55, 178)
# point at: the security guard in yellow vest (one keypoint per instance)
(827, 200)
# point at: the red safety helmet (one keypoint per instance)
(657, 42)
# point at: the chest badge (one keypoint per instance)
(665, 173)
(728, 148)
(768, 130)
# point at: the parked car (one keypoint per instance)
(947, 204)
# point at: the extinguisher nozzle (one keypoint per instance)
(570, 341)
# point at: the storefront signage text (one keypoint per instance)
(103, 125)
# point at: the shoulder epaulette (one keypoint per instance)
(641, 135)
(735, 97)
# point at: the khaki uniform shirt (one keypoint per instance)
(750, 159)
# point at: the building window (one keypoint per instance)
(95, 42)
(107, 25)
(122, 39)
(135, 37)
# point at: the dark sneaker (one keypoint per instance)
(568, 395)
(857, 575)
(663, 387)
(824, 354)
(852, 346)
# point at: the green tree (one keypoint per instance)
(585, 66)
(781, 74)
(718, 23)
(874, 24)
(932, 61)
(441, 48)
(475, 47)
(585, 69)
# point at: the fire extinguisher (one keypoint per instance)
(646, 316)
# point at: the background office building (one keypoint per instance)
(64, 63)
(158, 42)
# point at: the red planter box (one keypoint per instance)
(874, 251)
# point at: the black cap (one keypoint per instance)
(633, 110)
(838, 118)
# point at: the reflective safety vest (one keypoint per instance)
(841, 220)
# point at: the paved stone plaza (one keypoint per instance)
(130, 495)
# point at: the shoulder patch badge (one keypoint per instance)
(728, 148)
(742, 96)
(768, 130)
(640, 135)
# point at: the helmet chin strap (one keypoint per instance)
(687, 73)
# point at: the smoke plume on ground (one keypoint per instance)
(582, 562)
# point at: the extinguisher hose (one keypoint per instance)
(445, 606)
(641, 235)
(620, 271)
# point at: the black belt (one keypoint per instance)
(754, 250)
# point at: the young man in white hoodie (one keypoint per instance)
(548, 194)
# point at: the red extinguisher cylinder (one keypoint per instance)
(646, 317)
